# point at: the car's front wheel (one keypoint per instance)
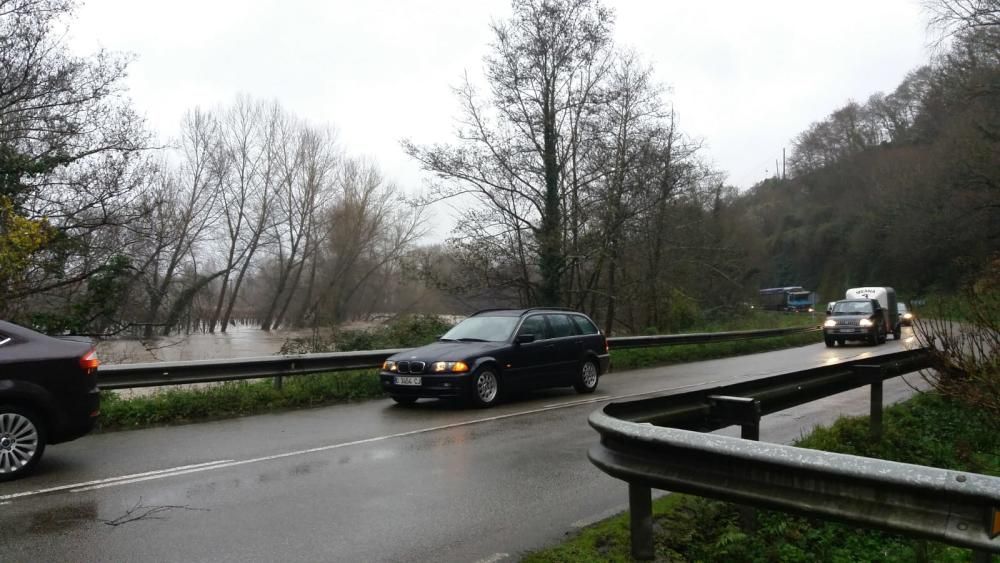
(22, 441)
(873, 338)
(485, 387)
(586, 380)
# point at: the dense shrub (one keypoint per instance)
(406, 331)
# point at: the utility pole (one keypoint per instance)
(783, 163)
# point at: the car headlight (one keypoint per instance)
(829, 322)
(453, 367)
(389, 365)
(908, 316)
(865, 322)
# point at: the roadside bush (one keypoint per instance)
(405, 331)
(964, 338)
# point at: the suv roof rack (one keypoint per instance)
(529, 309)
(524, 311)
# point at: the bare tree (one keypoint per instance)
(951, 17)
(245, 195)
(181, 209)
(511, 150)
(370, 229)
(306, 165)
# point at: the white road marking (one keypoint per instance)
(494, 558)
(221, 464)
(110, 479)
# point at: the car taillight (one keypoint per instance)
(89, 362)
(605, 345)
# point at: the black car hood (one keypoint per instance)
(449, 351)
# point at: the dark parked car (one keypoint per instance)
(855, 319)
(500, 350)
(48, 395)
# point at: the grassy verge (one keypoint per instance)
(648, 357)
(178, 406)
(927, 430)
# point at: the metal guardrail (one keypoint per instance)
(622, 342)
(656, 443)
(126, 376)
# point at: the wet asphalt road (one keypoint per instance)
(365, 482)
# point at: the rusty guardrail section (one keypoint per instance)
(126, 376)
(658, 443)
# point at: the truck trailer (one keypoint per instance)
(791, 298)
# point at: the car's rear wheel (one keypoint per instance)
(586, 380)
(22, 441)
(485, 388)
(404, 399)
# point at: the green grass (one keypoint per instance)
(927, 430)
(178, 406)
(648, 357)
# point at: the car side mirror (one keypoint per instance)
(525, 338)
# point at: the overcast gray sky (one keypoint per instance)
(745, 77)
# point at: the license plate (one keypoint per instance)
(403, 380)
(845, 330)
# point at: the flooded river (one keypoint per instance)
(238, 342)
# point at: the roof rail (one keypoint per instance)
(525, 310)
(529, 309)
(493, 309)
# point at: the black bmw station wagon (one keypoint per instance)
(500, 350)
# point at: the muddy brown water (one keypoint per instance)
(237, 342)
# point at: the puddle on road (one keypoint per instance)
(61, 518)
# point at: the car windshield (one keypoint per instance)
(483, 329)
(902, 308)
(852, 308)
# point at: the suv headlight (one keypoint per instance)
(865, 322)
(829, 322)
(453, 367)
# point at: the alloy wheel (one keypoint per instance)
(18, 442)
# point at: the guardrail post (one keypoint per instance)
(873, 375)
(640, 508)
(875, 416)
(744, 411)
(278, 382)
